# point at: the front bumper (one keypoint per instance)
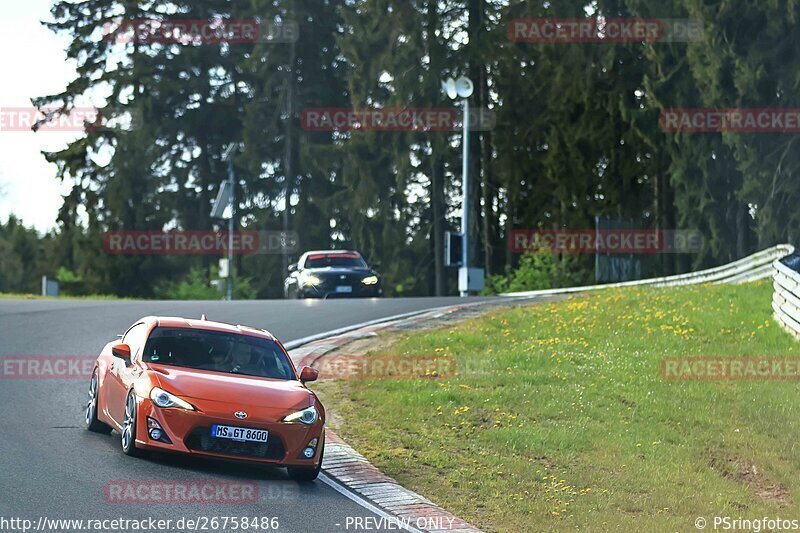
(190, 433)
(329, 291)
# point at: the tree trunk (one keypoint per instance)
(476, 165)
(438, 145)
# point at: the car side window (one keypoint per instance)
(135, 338)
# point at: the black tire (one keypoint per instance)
(292, 294)
(90, 419)
(128, 434)
(305, 474)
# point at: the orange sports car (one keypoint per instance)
(207, 389)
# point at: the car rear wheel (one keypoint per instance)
(91, 421)
(128, 435)
(306, 474)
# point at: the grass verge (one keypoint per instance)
(560, 419)
(27, 296)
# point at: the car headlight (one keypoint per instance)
(164, 399)
(370, 280)
(310, 279)
(306, 416)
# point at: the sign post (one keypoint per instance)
(225, 198)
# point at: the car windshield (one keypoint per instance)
(334, 260)
(217, 351)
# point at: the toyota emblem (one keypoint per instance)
(240, 414)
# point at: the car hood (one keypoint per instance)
(218, 387)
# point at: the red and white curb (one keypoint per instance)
(310, 352)
(347, 468)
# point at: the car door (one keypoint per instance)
(120, 375)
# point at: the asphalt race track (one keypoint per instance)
(51, 467)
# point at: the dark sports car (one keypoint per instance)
(332, 274)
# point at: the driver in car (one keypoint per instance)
(242, 360)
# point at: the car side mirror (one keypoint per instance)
(308, 374)
(122, 351)
(375, 266)
(292, 267)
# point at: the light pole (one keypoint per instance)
(287, 163)
(465, 195)
(462, 88)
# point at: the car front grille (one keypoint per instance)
(201, 440)
(336, 279)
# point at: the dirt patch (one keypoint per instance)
(626, 402)
(746, 472)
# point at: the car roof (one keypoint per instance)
(331, 252)
(208, 325)
(305, 256)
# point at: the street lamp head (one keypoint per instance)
(464, 87)
(449, 87)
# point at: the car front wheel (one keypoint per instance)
(305, 474)
(128, 434)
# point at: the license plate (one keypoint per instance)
(240, 434)
(344, 288)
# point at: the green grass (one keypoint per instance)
(26, 296)
(559, 419)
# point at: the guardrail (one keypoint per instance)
(757, 266)
(786, 297)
